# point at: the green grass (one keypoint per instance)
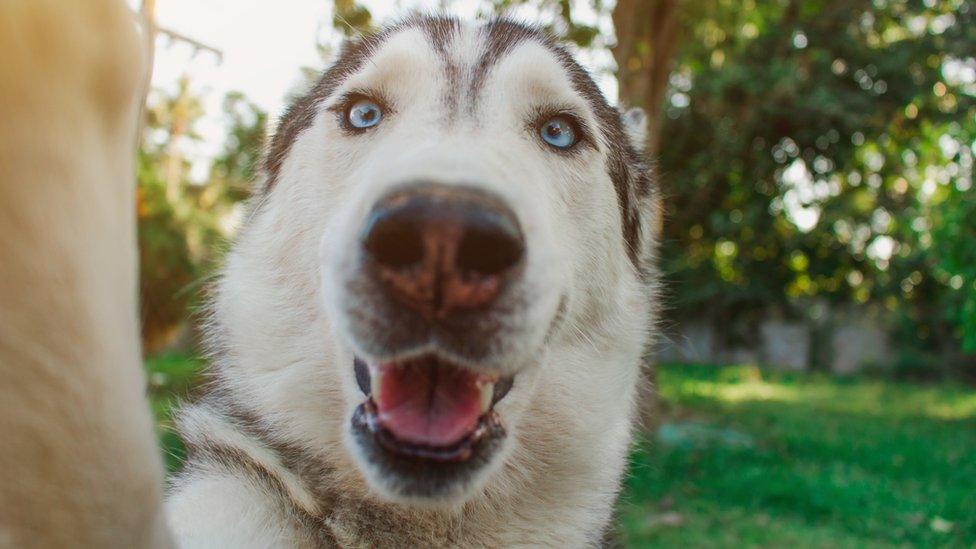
(746, 458)
(172, 378)
(749, 458)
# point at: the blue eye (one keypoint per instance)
(364, 114)
(559, 132)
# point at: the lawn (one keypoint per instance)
(751, 458)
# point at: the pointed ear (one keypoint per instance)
(635, 123)
(647, 206)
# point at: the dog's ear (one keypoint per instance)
(645, 219)
(635, 124)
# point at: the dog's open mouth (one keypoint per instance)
(427, 408)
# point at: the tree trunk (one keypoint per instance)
(647, 37)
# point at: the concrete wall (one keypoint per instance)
(857, 344)
(785, 345)
(852, 338)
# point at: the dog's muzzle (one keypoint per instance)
(430, 302)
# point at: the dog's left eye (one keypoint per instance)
(559, 131)
(364, 113)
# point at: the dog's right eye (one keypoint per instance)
(559, 132)
(364, 113)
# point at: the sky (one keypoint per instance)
(264, 46)
(262, 49)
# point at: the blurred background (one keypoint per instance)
(815, 377)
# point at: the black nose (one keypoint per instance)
(441, 248)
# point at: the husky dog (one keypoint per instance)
(429, 331)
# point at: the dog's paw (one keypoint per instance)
(79, 50)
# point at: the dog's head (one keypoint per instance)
(453, 228)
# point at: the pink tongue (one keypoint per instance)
(422, 402)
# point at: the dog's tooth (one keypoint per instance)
(487, 394)
(375, 376)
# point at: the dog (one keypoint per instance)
(428, 333)
(430, 330)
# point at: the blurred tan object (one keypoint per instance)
(79, 466)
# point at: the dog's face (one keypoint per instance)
(466, 202)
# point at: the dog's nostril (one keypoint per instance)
(490, 247)
(394, 240)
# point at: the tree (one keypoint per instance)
(176, 115)
(648, 33)
(647, 39)
(183, 225)
(806, 153)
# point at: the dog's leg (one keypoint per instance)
(78, 463)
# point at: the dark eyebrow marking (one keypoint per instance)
(501, 36)
(353, 55)
(300, 114)
(440, 31)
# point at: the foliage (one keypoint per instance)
(236, 166)
(806, 154)
(351, 18)
(954, 251)
(165, 265)
(776, 460)
(183, 223)
(562, 13)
